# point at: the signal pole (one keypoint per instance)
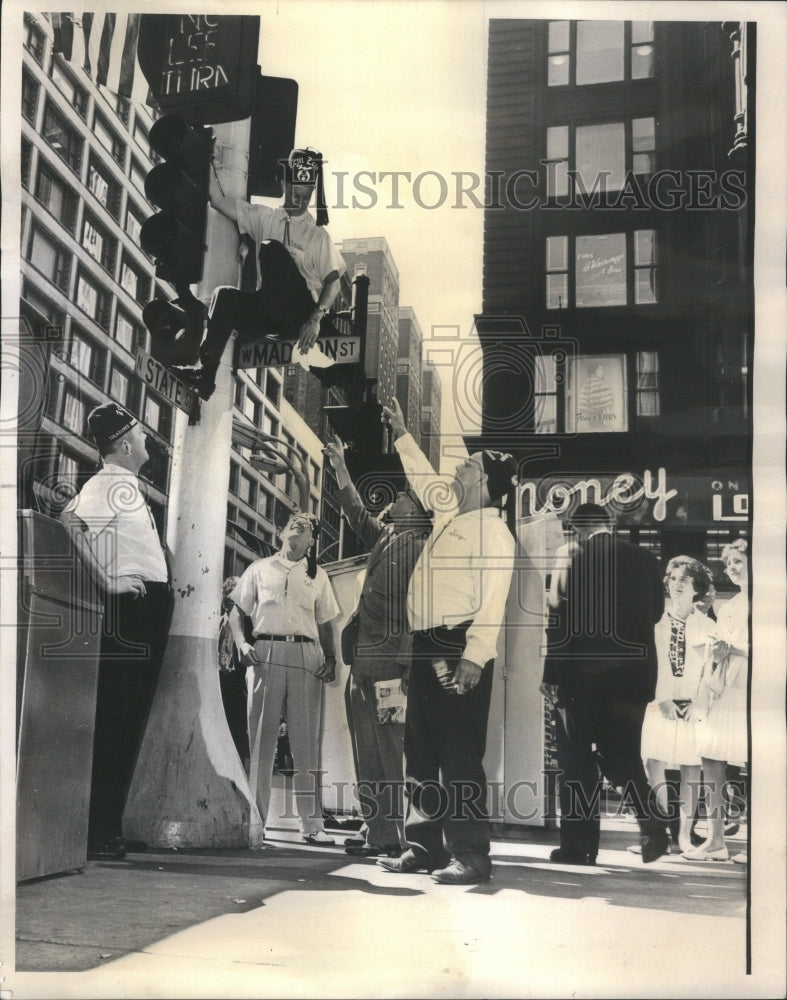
(189, 787)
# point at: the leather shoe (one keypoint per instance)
(355, 841)
(564, 857)
(458, 873)
(654, 845)
(406, 864)
(371, 851)
(113, 850)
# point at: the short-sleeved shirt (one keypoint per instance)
(280, 597)
(308, 244)
(124, 537)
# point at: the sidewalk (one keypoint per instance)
(298, 921)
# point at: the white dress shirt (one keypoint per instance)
(464, 571)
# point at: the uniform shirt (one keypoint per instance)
(280, 597)
(308, 244)
(124, 537)
(464, 571)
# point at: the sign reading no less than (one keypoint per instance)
(272, 353)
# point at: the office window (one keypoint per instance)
(77, 96)
(152, 412)
(106, 136)
(86, 356)
(608, 269)
(93, 300)
(74, 412)
(545, 395)
(251, 408)
(30, 90)
(589, 52)
(273, 389)
(137, 175)
(133, 223)
(50, 258)
(26, 163)
(597, 158)
(643, 143)
(105, 188)
(248, 489)
(119, 385)
(601, 155)
(31, 294)
(557, 161)
(123, 110)
(56, 196)
(98, 243)
(67, 143)
(134, 281)
(129, 333)
(644, 266)
(34, 40)
(648, 393)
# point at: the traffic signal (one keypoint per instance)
(359, 425)
(175, 236)
(272, 134)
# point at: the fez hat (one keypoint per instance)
(108, 422)
(304, 166)
(501, 470)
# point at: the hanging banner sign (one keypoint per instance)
(161, 380)
(273, 353)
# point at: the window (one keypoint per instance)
(30, 89)
(85, 356)
(68, 470)
(594, 158)
(114, 146)
(248, 489)
(47, 308)
(137, 175)
(648, 396)
(119, 385)
(74, 412)
(93, 300)
(77, 96)
(67, 143)
(26, 163)
(56, 197)
(234, 476)
(133, 223)
(251, 408)
(273, 390)
(98, 243)
(589, 52)
(134, 281)
(34, 40)
(609, 269)
(545, 395)
(50, 258)
(141, 134)
(596, 394)
(104, 186)
(152, 412)
(123, 110)
(128, 333)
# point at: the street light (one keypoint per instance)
(268, 458)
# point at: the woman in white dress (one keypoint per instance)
(724, 735)
(670, 728)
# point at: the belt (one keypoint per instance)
(282, 638)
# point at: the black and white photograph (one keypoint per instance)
(393, 500)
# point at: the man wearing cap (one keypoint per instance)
(600, 674)
(299, 270)
(115, 535)
(382, 652)
(292, 608)
(455, 607)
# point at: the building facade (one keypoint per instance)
(408, 370)
(618, 272)
(84, 281)
(431, 401)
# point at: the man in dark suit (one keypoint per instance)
(600, 673)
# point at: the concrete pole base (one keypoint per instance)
(190, 792)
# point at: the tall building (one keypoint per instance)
(373, 258)
(408, 369)
(431, 401)
(618, 271)
(84, 158)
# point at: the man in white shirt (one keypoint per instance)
(115, 535)
(298, 276)
(455, 607)
(292, 609)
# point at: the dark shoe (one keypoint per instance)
(563, 857)
(730, 829)
(654, 845)
(696, 839)
(201, 380)
(113, 850)
(371, 851)
(458, 873)
(405, 864)
(135, 846)
(355, 842)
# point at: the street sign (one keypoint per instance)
(273, 353)
(203, 66)
(161, 380)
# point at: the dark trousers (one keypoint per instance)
(444, 745)
(591, 714)
(280, 306)
(233, 697)
(132, 648)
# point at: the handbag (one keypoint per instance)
(350, 638)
